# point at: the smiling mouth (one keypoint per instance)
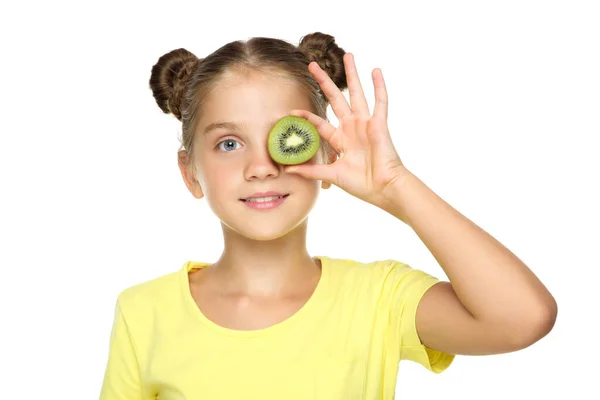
(264, 199)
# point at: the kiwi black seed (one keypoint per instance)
(293, 140)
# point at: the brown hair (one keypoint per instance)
(180, 81)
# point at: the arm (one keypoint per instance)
(122, 378)
(493, 303)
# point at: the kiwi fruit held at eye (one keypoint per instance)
(293, 140)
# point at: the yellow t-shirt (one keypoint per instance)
(346, 342)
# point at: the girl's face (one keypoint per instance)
(233, 162)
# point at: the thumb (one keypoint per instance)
(321, 172)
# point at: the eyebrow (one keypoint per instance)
(229, 126)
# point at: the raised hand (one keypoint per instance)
(367, 161)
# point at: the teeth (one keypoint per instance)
(263, 199)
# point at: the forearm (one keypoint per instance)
(490, 281)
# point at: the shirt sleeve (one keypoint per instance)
(404, 287)
(122, 378)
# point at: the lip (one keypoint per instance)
(264, 194)
(265, 205)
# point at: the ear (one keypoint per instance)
(186, 168)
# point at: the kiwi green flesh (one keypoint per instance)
(293, 140)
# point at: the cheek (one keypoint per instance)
(218, 181)
(310, 187)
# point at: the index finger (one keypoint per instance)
(340, 106)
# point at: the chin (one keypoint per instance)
(259, 232)
(265, 228)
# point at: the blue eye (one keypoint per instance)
(228, 142)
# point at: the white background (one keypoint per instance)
(494, 105)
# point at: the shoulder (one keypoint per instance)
(380, 278)
(149, 293)
(374, 276)
(373, 269)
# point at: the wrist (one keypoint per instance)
(393, 191)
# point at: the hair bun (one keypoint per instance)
(322, 48)
(168, 79)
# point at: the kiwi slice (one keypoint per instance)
(293, 140)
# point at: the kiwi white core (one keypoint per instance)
(293, 141)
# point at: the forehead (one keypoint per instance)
(252, 98)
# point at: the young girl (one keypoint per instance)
(269, 321)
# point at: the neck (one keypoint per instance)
(266, 267)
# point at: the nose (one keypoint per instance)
(260, 165)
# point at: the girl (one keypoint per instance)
(269, 321)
